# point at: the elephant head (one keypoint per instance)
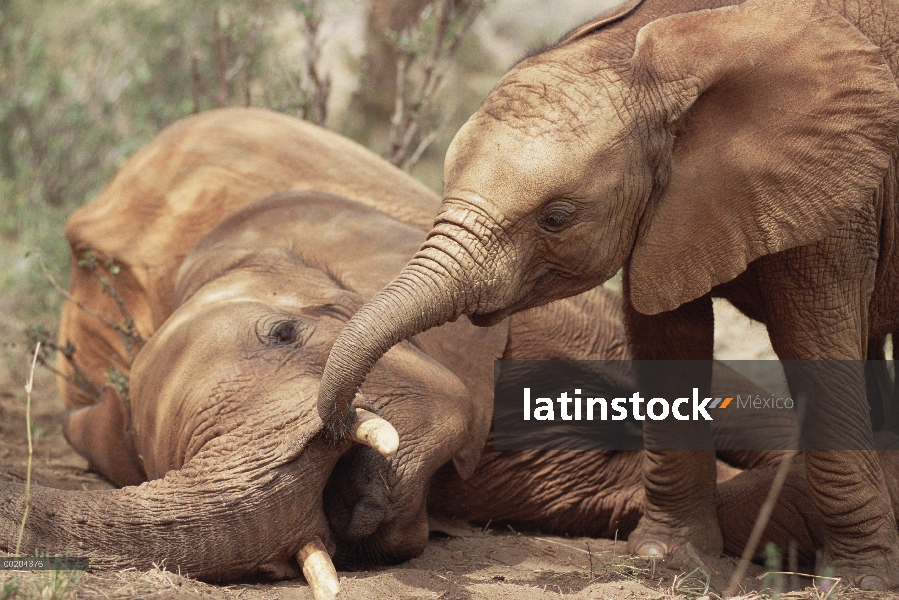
(678, 146)
(222, 413)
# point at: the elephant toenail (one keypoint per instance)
(651, 550)
(872, 582)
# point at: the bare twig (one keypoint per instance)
(398, 120)
(314, 85)
(197, 82)
(453, 19)
(221, 44)
(424, 144)
(761, 522)
(590, 557)
(28, 387)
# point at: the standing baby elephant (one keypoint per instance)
(746, 152)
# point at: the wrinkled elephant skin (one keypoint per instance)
(239, 300)
(707, 149)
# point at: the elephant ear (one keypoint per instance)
(611, 15)
(784, 119)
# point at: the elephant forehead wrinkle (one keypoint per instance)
(538, 109)
(555, 100)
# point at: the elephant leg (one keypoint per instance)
(679, 484)
(878, 382)
(794, 519)
(844, 474)
(593, 493)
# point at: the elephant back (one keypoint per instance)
(128, 243)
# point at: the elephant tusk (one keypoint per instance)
(372, 430)
(318, 570)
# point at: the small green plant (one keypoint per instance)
(697, 582)
(9, 587)
(119, 381)
(54, 585)
(133, 341)
(38, 334)
(130, 338)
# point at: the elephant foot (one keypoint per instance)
(654, 539)
(876, 575)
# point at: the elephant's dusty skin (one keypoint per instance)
(180, 186)
(705, 148)
(220, 413)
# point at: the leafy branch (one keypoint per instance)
(80, 379)
(130, 338)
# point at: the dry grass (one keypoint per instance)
(28, 389)
(46, 585)
(43, 585)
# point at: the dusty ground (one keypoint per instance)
(460, 562)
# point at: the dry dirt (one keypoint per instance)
(461, 561)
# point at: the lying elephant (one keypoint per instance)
(220, 414)
(222, 419)
(175, 190)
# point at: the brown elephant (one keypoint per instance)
(216, 440)
(220, 421)
(709, 149)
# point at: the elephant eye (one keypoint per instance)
(282, 332)
(556, 217)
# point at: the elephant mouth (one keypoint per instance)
(368, 511)
(488, 319)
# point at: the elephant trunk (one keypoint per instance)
(431, 290)
(222, 534)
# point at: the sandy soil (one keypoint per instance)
(460, 562)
